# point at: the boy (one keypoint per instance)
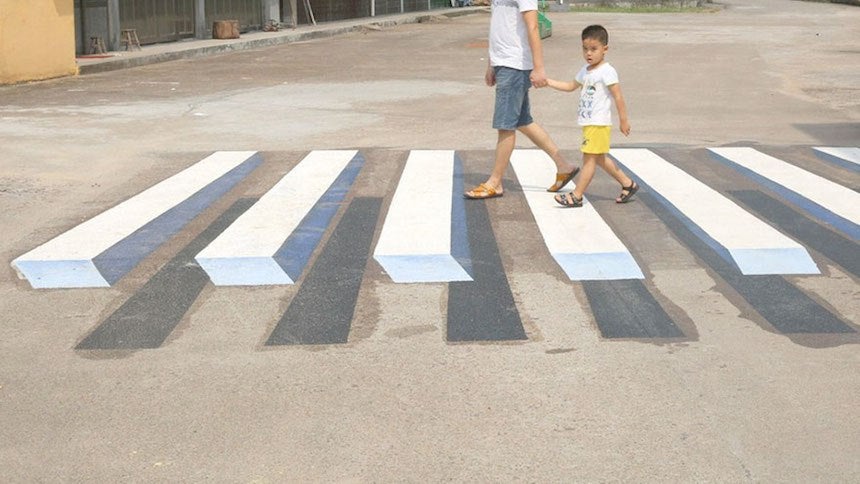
(600, 87)
(515, 65)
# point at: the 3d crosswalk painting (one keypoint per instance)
(310, 230)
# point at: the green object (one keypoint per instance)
(544, 26)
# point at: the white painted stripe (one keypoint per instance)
(244, 253)
(581, 242)
(844, 153)
(833, 197)
(66, 260)
(754, 246)
(415, 242)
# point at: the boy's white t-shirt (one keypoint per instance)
(509, 40)
(595, 101)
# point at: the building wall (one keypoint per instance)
(37, 40)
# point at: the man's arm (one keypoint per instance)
(538, 75)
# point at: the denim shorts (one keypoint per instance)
(512, 98)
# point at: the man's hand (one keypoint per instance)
(538, 77)
(490, 76)
(625, 127)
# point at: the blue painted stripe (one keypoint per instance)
(830, 243)
(151, 314)
(61, 274)
(294, 254)
(459, 229)
(322, 310)
(599, 267)
(840, 223)
(836, 160)
(123, 256)
(693, 227)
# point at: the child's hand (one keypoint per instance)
(625, 127)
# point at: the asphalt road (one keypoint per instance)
(225, 393)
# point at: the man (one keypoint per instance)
(515, 65)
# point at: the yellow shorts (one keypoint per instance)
(595, 139)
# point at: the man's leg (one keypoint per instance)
(511, 110)
(504, 147)
(542, 140)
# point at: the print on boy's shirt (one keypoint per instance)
(586, 102)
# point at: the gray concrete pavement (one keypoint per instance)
(733, 400)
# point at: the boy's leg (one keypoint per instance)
(627, 185)
(610, 167)
(589, 166)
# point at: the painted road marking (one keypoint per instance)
(273, 241)
(823, 199)
(483, 310)
(781, 304)
(626, 309)
(148, 317)
(753, 246)
(843, 156)
(581, 242)
(321, 311)
(479, 310)
(832, 244)
(424, 236)
(98, 252)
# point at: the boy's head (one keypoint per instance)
(595, 43)
(596, 32)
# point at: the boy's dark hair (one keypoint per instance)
(596, 32)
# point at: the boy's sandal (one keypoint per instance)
(482, 191)
(627, 192)
(568, 200)
(562, 179)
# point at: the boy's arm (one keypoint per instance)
(615, 90)
(538, 75)
(566, 86)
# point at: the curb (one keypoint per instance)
(325, 31)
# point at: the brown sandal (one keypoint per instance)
(562, 179)
(482, 192)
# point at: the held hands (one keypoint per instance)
(538, 77)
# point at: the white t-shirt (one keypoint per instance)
(595, 100)
(509, 41)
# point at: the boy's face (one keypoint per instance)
(593, 51)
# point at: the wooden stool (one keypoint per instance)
(130, 40)
(97, 45)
